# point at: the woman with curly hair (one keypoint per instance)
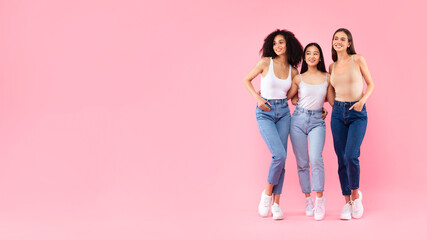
(282, 52)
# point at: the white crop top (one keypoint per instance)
(273, 87)
(312, 96)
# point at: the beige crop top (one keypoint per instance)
(349, 85)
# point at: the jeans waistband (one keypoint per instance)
(303, 110)
(277, 101)
(338, 103)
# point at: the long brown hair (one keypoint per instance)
(350, 50)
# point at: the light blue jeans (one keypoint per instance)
(308, 124)
(274, 127)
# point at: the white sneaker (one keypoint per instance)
(277, 212)
(319, 209)
(346, 212)
(309, 207)
(357, 207)
(264, 204)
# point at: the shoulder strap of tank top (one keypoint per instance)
(326, 78)
(290, 72)
(353, 63)
(270, 68)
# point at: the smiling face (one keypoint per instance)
(279, 45)
(312, 56)
(340, 42)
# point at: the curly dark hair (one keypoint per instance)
(294, 48)
(350, 50)
(320, 65)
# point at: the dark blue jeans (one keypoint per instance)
(348, 130)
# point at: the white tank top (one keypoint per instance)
(312, 96)
(273, 87)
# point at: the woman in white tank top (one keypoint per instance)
(281, 53)
(308, 127)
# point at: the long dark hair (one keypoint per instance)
(320, 65)
(350, 50)
(293, 47)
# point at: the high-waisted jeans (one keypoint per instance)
(309, 124)
(348, 130)
(274, 128)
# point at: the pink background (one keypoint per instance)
(130, 120)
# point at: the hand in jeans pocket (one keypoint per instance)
(357, 106)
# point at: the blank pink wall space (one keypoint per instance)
(130, 120)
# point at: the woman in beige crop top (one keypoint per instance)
(349, 117)
(347, 72)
